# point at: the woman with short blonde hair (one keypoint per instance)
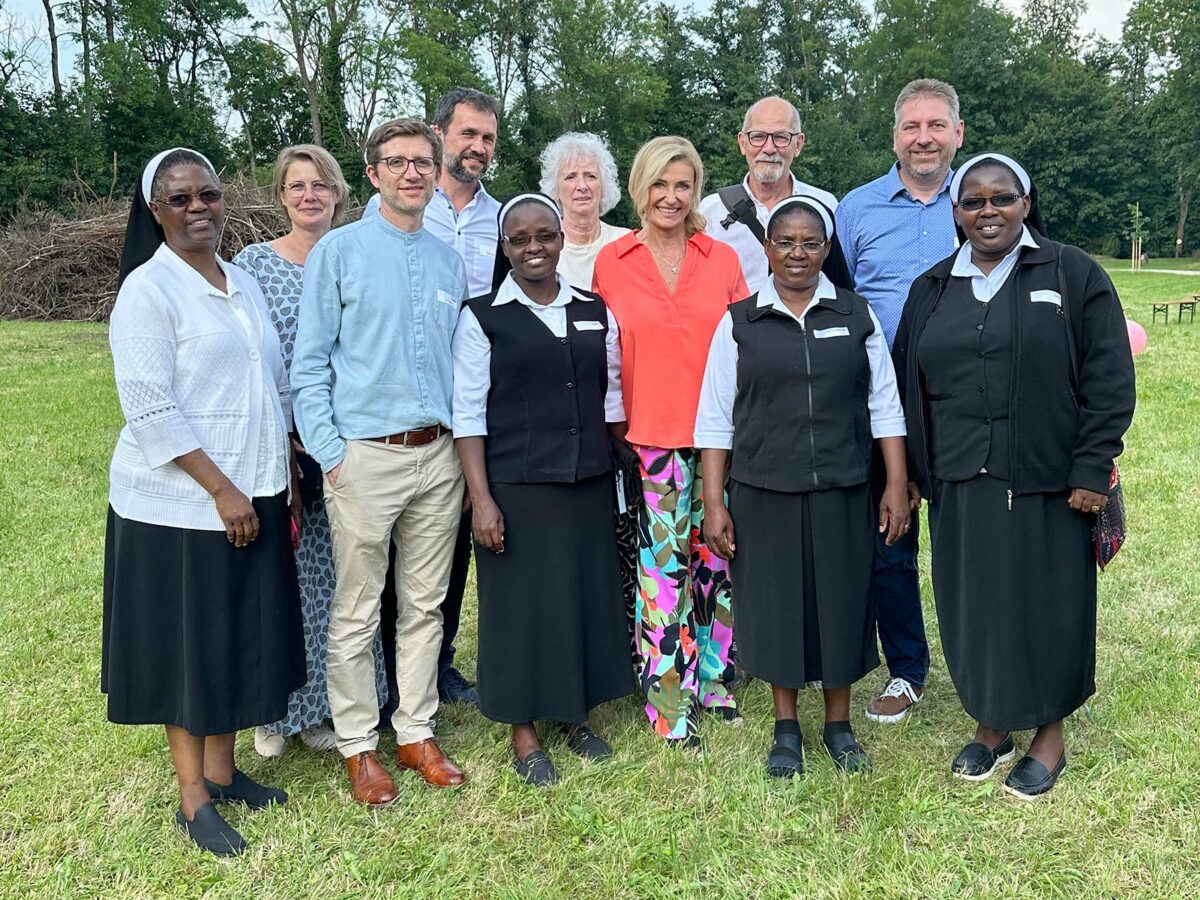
(668, 286)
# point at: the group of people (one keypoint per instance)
(727, 417)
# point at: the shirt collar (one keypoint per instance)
(510, 291)
(481, 197)
(895, 186)
(964, 265)
(198, 281)
(628, 242)
(796, 189)
(768, 296)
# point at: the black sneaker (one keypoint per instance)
(786, 759)
(848, 754)
(244, 789)
(210, 832)
(977, 761)
(536, 769)
(454, 688)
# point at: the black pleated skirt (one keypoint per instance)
(552, 637)
(1016, 601)
(802, 574)
(199, 633)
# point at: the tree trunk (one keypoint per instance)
(50, 24)
(1185, 198)
(110, 18)
(85, 40)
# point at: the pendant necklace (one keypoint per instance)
(673, 266)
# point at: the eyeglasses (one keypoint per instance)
(999, 201)
(181, 201)
(321, 188)
(398, 165)
(779, 138)
(543, 237)
(787, 248)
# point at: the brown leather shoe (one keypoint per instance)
(427, 758)
(369, 780)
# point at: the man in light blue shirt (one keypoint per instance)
(891, 230)
(372, 381)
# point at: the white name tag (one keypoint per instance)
(446, 297)
(1046, 297)
(840, 331)
(589, 326)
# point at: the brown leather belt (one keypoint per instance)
(413, 438)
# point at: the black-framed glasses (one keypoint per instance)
(779, 139)
(398, 165)
(543, 237)
(787, 248)
(208, 197)
(999, 201)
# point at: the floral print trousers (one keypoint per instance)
(684, 620)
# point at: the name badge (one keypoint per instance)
(840, 331)
(589, 326)
(1046, 297)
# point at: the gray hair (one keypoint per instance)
(579, 145)
(928, 87)
(788, 103)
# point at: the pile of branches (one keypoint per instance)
(65, 267)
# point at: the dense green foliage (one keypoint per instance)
(1101, 125)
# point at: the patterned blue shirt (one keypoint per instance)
(373, 345)
(889, 237)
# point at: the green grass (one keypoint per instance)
(86, 807)
(1186, 264)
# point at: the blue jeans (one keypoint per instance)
(896, 593)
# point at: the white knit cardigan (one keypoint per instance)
(188, 377)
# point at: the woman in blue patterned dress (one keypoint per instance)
(312, 191)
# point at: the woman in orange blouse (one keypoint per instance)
(668, 286)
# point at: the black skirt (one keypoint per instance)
(552, 637)
(1016, 601)
(802, 573)
(199, 633)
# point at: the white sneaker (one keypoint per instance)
(267, 744)
(319, 737)
(894, 703)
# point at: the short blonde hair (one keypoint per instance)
(327, 167)
(652, 158)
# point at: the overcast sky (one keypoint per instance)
(1103, 16)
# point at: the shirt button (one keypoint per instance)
(570, 385)
(254, 354)
(987, 421)
(574, 431)
(562, 340)
(981, 356)
(980, 389)
(979, 328)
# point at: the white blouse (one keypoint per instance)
(473, 356)
(985, 287)
(714, 419)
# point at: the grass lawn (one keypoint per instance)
(1185, 264)
(86, 807)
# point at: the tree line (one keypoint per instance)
(1101, 125)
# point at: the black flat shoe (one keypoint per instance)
(977, 761)
(584, 742)
(536, 769)
(1029, 779)
(848, 754)
(210, 832)
(786, 759)
(730, 715)
(691, 742)
(244, 789)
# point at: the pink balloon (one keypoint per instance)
(1137, 336)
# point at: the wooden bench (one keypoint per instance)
(1164, 307)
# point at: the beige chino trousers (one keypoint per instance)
(410, 496)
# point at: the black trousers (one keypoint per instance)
(451, 613)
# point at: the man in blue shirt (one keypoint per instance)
(372, 379)
(893, 229)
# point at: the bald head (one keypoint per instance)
(770, 140)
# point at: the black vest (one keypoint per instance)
(965, 358)
(545, 408)
(800, 416)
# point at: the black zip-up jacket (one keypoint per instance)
(1072, 393)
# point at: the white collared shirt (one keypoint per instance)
(750, 252)
(474, 232)
(985, 287)
(714, 419)
(473, 356)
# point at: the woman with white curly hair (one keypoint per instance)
(579, 172)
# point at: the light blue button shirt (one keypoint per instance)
(889, 237)
(372, 351)
(473, 232)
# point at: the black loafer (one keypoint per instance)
(730, 715)
(584, 742)
(978, 761)
(848, 754)
(1029, 779)
(536, 769)
(244, 789)
(210, 832)
(786, 759)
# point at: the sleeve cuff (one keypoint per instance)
(713, 440)
(889, 426)
(164, 440)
